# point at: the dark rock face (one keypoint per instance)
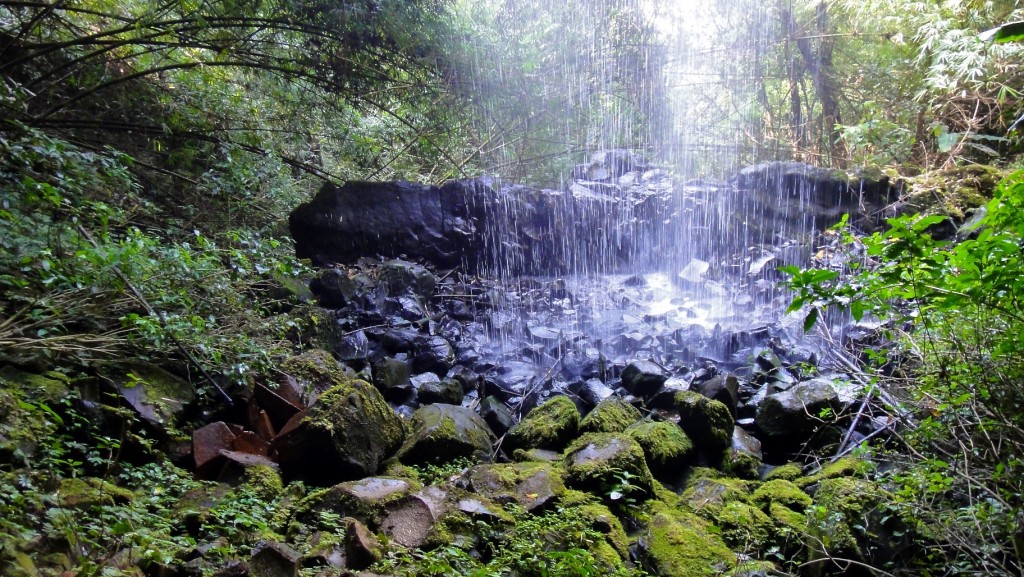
(344, 223)
(442, 433)
(643, 378)
(797, 410)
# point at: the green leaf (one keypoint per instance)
(1009, 32)
(947, 141)
(810, 319)
(857, 308)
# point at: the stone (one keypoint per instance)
(666, 447)
(346, 434)
(598, 462)
(207, 444)
(158, 397)
(612, 415)
(643, 378)
(365, 499)
(706, 421)
(593, 391)
(442, 433)
(723, 388)
(274, 560)
(744, 457)
(797, 411)
(409, 522)
(694, 271)
(333, 288)
(403, 277)
(447, 391)
(433, 354)
(391, 377)
(497, 415)
(531, 485)
(549, 426)
(282, 403)
(677, 543)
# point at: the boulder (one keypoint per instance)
(158, 397)
(798, 410)
(365, 499)
(530, 485)
(440, 391)
(610, 464)
(550, 426)
(666, 447)
(391, 377)
(433, 354)
(439, 225)
(274, 560)
(643, 378)
(402, 277)
(497, 415)
(333, 288)
(708, 422)
(410, 521)
(723, 388)
(744, 457)
(442, 433)
(346, 434)
(612, 415)
(677, 543)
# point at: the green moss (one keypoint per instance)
(680, 544)
(612, 415)
(666, 447)
(265, 481)
(954, 190)
(709, 496)
(708, 422)
(754, 569)
(844, 467)
(842, 513)
(789, 472)
(364, 499)
(744, 526)
(788, 519)
(78, 493)
(529, 484)
(782, 492)
(550, 426)
(602, 519)
(607, 463)
(316, 370)
(742, 464)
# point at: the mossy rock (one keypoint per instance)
(316, 370)
(666, 447)
(952, 191)
(264, 480)
(708, 496)
(609, 464)
(550, 426)
(788, 472)
(680, 544)
(26, 402)
(612, 415)
(531, 485)
(442, 433)
(744, 526)
(156, 395)
(346, 435)
(708, 422)
(365, 500)
(783, 492)
(79, 493)
(845, 516)
(845, 467)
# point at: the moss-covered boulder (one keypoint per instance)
(365, 499)
(784, 493)
(708, 495)
(550, 426)
(848, 466)
(441, 433)
(794, 413)
(788, 472)
(346, 435)
(680, 544)
(609, 464)
(612, 415)
(845, 518)
(315, 371)
(157, 396)
(744, 526)
(707, 422)
(952, 191)
(601, 518)
(84, 493)
(25, 420)
(531, 485)
(666, 447)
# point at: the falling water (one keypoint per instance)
(648, 232)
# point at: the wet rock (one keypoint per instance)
(366, 499)
(465, 377)
(592, 391)
(708, 422)
(391, 376)
(497, 415)
(402, 277)
(666, 447)
(316, 370)
(447, 391)
(274, 560)
(798, 410)
(744, 457)
(433, 354)
(612, 415)
(694, 271)
(597, 462)
(438, 225)
(530, 485)
(723, 388)
(441, 433)
(643, 378)
(665, 398)
(281, 402)
(333, 288)
(345, 435)
(550, 426)
(207, 444)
